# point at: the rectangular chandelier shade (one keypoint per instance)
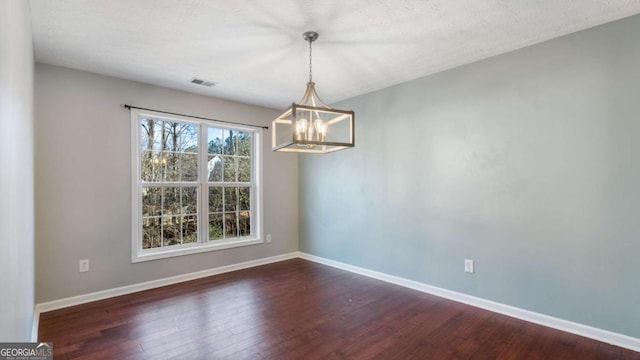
(311, 129)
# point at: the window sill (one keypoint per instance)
(149, 255)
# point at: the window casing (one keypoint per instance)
(195, 186)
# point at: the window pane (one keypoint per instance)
(187, 140)
(230, 225)
(189, 200)
(214, 168)
(169, 135)
(189, 167)
(215, 141)
(189, 229)
(171, 233)
(150, 131)
(215, 227)
(230, 142)
(171, 201)
(230, 174)
(244, 169)
(230, 199)
(171, 166)
(169, 151)
(151, 231)
(151, 167)
(244, 194)
(151, 201)
(244, 143)
(215, 199)
(244, 222)
(179, 137)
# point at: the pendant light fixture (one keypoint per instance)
(312, 126)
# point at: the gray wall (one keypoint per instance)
(527, 163)
(16, 172)
(83, 175)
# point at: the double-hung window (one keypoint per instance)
(196, 185)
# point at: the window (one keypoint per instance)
(195, 186)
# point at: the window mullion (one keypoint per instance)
(162, 217)
(170, 184)
(224, 212)
(139, 213)
(203, 198)
(237, 210)
(181, 218)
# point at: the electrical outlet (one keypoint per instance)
(268, 238)
(469, 266)
(83, 265)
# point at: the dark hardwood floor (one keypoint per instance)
(297, 309)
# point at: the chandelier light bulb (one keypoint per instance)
(301, 129)
(321, 130)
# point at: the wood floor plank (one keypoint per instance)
(297, 309)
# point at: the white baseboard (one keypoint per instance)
(541, 319)
(129, 289)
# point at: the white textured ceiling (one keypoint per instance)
(255, 52)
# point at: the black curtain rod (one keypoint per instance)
(129, 107)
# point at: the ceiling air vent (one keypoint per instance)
(206, 83)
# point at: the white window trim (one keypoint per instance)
(140, 255)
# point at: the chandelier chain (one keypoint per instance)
(310, 74)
